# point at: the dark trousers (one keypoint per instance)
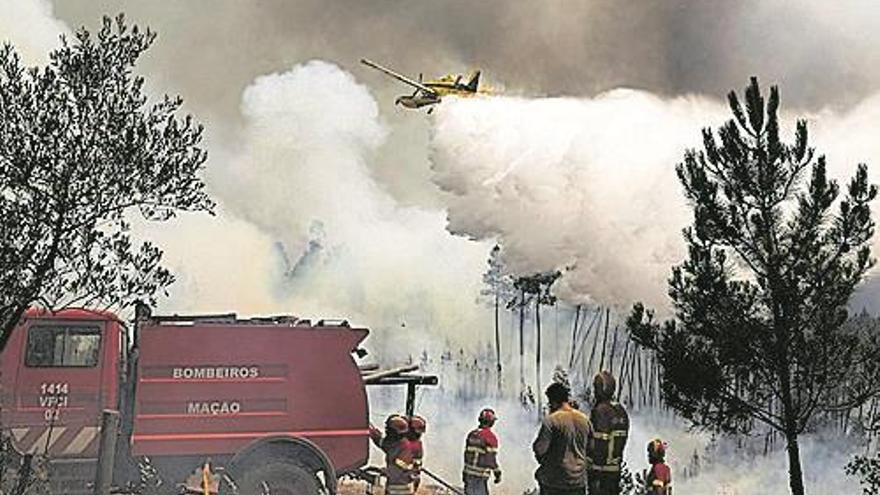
(604, 483)
(476, 486)
(546, 490)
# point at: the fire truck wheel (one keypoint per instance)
(278, 478)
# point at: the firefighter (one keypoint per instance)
(610, 429)
(481, 456)
(417, 426)
(561, 446)
(659, 479)
(398, 457)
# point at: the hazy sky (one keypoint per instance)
(822, 53)
(558, 181)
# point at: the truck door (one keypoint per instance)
(58, 391)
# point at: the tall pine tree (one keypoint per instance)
(774, 254)
(498, 288)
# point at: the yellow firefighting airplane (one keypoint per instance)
(429, 93)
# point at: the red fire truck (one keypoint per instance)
(276, 404)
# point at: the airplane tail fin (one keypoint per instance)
(474, 82)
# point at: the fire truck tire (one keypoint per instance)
(278, 478)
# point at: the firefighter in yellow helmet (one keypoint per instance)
(610, 430)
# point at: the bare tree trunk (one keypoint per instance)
(538, 353)
(795, 474)
(593, 351)
(497, 344)
(574, 332)
(604, 340)
(641, 380)
(522, 319)
(613, 350)
(631, 374)
(659, 383)
(622, 370)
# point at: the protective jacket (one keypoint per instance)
(418, 453)
(481, 453)
(659, 480)
(610, 430)
(399, 466)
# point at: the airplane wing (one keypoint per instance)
(399, 77)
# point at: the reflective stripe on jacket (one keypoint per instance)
(481, 453)
(399, 465)
(610, 431)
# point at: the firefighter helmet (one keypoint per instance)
(656, 450)
(417, 424)
(397, 424)
(604, 386)
(487, 417)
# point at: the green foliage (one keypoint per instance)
(760, 300)
(868, 471)
(83, 151)
(538, 286)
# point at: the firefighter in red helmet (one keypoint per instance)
(481, 455)
(398, 456)
(659, 479)
(610, 431)
(417, 427)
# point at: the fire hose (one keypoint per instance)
(456, 490)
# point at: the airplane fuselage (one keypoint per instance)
(429, 92)
(417, 101)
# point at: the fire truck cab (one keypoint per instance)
(277, 404)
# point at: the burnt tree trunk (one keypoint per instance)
(538, 353)
(522, 319)
(497, 344)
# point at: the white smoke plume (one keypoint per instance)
(590, 185)
(342, 246)
(587, 184)
(32, 28)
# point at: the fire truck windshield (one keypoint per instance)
(63, 346)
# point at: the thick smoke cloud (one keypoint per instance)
(31, 27)
(587, 184)
(343, 246)
(825, 51)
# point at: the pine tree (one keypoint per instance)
(82, 152)
(760, 302)
(499, 287)
(536, 287)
